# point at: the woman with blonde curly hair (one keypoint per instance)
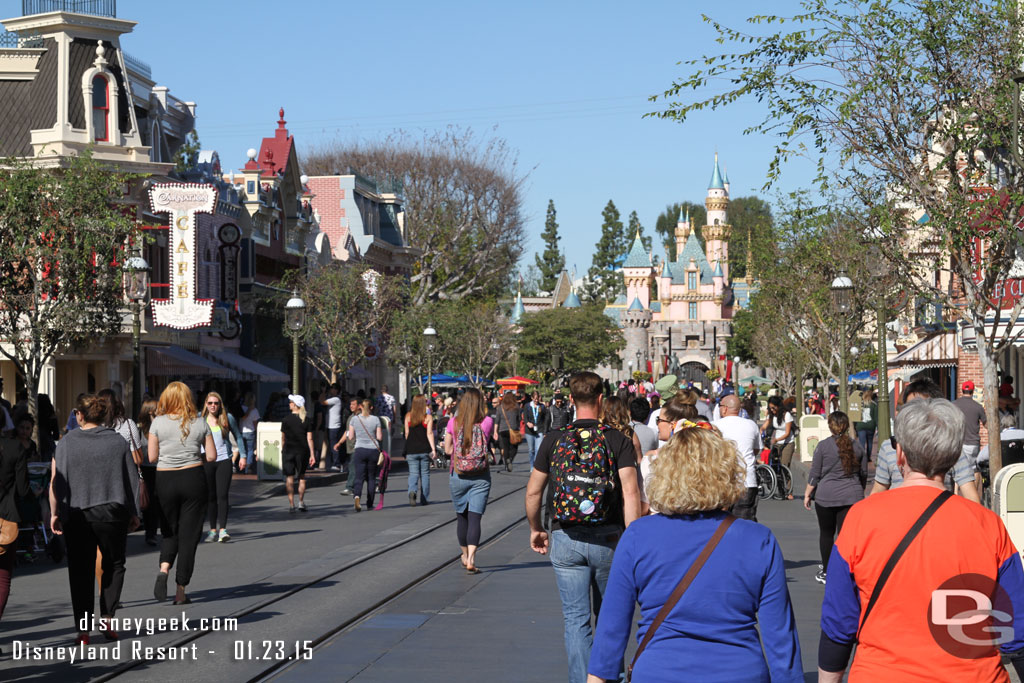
(739, 598)
(178, 439)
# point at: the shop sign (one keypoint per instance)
(182, 201)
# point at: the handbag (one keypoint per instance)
(8, 534)
(514, 435)
(383, 455)
(143, 491)
(680, 588)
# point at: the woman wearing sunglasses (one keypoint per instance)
(227, 438)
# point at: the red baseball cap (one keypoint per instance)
(967, 386)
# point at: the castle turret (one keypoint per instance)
(638, 272)
(682, 232)
(716, 232)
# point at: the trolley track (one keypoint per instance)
(337, 628)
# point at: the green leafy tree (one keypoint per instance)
(551, 262)
(665, 225)
(584, 337)
(348, 309)
(751, 219)
(604, 282)
(186, 156)
(64, 238)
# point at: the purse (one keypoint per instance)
(8, 534)
(383, 457)
(681, 588)
(143, 491)
(514, 435)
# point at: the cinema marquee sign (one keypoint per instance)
(182, 201)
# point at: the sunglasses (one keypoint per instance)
(213, 403)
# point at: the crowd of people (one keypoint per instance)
(650, 500)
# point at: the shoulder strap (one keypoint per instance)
(681, 587)
(898, 553)
(359, 419)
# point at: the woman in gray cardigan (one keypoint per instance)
(94, 503)
(838, 474)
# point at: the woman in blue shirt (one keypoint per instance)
(712, 632)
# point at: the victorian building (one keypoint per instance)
(677, 318)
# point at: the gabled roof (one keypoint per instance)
(636, 305)
(692, 250)
(638, 256)
(276, 151)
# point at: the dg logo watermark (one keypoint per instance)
(969, 615)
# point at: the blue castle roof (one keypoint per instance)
(716, 178)
(571, 301)
(636, 305)
(692, 250)
(638, 256)
(517, 310)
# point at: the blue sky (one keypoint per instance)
(564, 82)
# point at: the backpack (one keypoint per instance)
(473, 461)
(582, 476)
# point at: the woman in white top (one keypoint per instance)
(226, 438)
(779, 423)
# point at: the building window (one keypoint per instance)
(100, 109)
(693, 310)
(691, 280)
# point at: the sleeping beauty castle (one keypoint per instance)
(683, 330)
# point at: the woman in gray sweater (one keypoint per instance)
(94, 503)
(838, 474)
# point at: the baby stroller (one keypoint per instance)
(34, 536)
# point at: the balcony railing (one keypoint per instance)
(137, 65)
(98, 8)
(11, 39)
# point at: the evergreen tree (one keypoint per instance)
(665, 226)
(552, 262)
(604, 282)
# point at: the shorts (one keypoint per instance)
(294, 465)
(971, 454)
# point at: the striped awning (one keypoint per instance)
(938, 351)
(174, 361)
(246, 368)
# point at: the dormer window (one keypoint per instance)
(101, 109)
(691, 280)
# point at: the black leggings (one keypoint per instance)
(468, 529)
(83, 537)
(218, 481)
(183, 499)
(830, 523)
(508, 451)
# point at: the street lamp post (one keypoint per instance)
(295, 319)
(136, 289)
(842, 289)
(639, 355)
(878, 269)
(430, 338)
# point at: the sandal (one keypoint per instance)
(472, 570)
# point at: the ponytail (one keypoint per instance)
(839, 425)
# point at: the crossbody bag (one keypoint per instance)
(680, 588)
(382, 454)
(898, 553)
(514, 435)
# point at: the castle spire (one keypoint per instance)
(716, 178)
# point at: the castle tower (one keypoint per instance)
(638, 273)
(682, 232)
(716, 232)
(636, 323)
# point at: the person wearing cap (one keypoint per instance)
(974, 417)
(297, 444)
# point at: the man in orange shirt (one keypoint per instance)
(949, 603)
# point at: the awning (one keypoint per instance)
(174, 361)
(246, 368)
(937, 351)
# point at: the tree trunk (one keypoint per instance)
(989, 370)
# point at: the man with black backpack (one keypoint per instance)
(590, 474)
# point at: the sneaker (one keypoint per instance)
(346, 492)
(334, 469)
(820, 577)
(291, 509)
(302, 506)
(211, 536)
(412, 499)
(223, 537)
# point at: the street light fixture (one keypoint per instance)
(429, 341)
(136, 290)
(639, 355)
(842, 294)
(878, 269)
(295, 320)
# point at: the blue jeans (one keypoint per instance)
(532, 443)
(582, 559)
(419, 471)
(866, 438)
(249, 442)
(333, 459)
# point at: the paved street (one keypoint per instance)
(379, 596)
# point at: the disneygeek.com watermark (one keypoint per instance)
(969, 615)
